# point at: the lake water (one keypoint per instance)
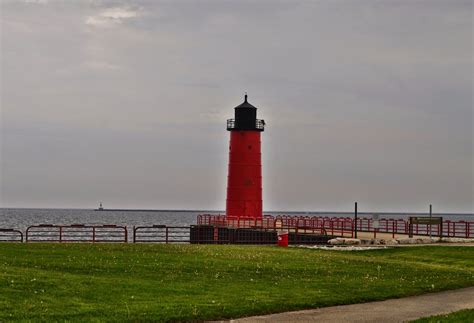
(22, 218)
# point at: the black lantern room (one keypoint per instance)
(245, 118)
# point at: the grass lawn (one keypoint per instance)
(118, 282)
(466, 316)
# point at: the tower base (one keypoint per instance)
(205, 234)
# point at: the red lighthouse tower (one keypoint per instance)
(244, 181)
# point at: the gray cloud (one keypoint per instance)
(126, 102)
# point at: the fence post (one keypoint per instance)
(431, 215)
(355, 219)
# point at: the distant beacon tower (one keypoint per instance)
(244, 180)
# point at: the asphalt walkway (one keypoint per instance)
(392, 310)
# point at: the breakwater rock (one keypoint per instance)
(394, 242)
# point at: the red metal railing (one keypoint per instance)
(161, 234)
(297, 225)
(11, 235)
(283, 222)
(458, 228)
(222, 235)
(343, 226)
(76, 233)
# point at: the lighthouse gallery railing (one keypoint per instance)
(259, 124)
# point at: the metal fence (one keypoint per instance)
(343, 226)
(195, 234)
(161, 234)
(76, 233)
(219, 229)
(205, 234)
(11, 235)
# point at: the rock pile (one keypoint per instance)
(393, 242)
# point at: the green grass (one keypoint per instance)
(123, 282)
(466, 316)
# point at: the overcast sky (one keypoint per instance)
(126, 102)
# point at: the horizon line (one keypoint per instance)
(223, 211)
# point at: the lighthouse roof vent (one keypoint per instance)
(245, 104)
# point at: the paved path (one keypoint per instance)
(392, 310)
